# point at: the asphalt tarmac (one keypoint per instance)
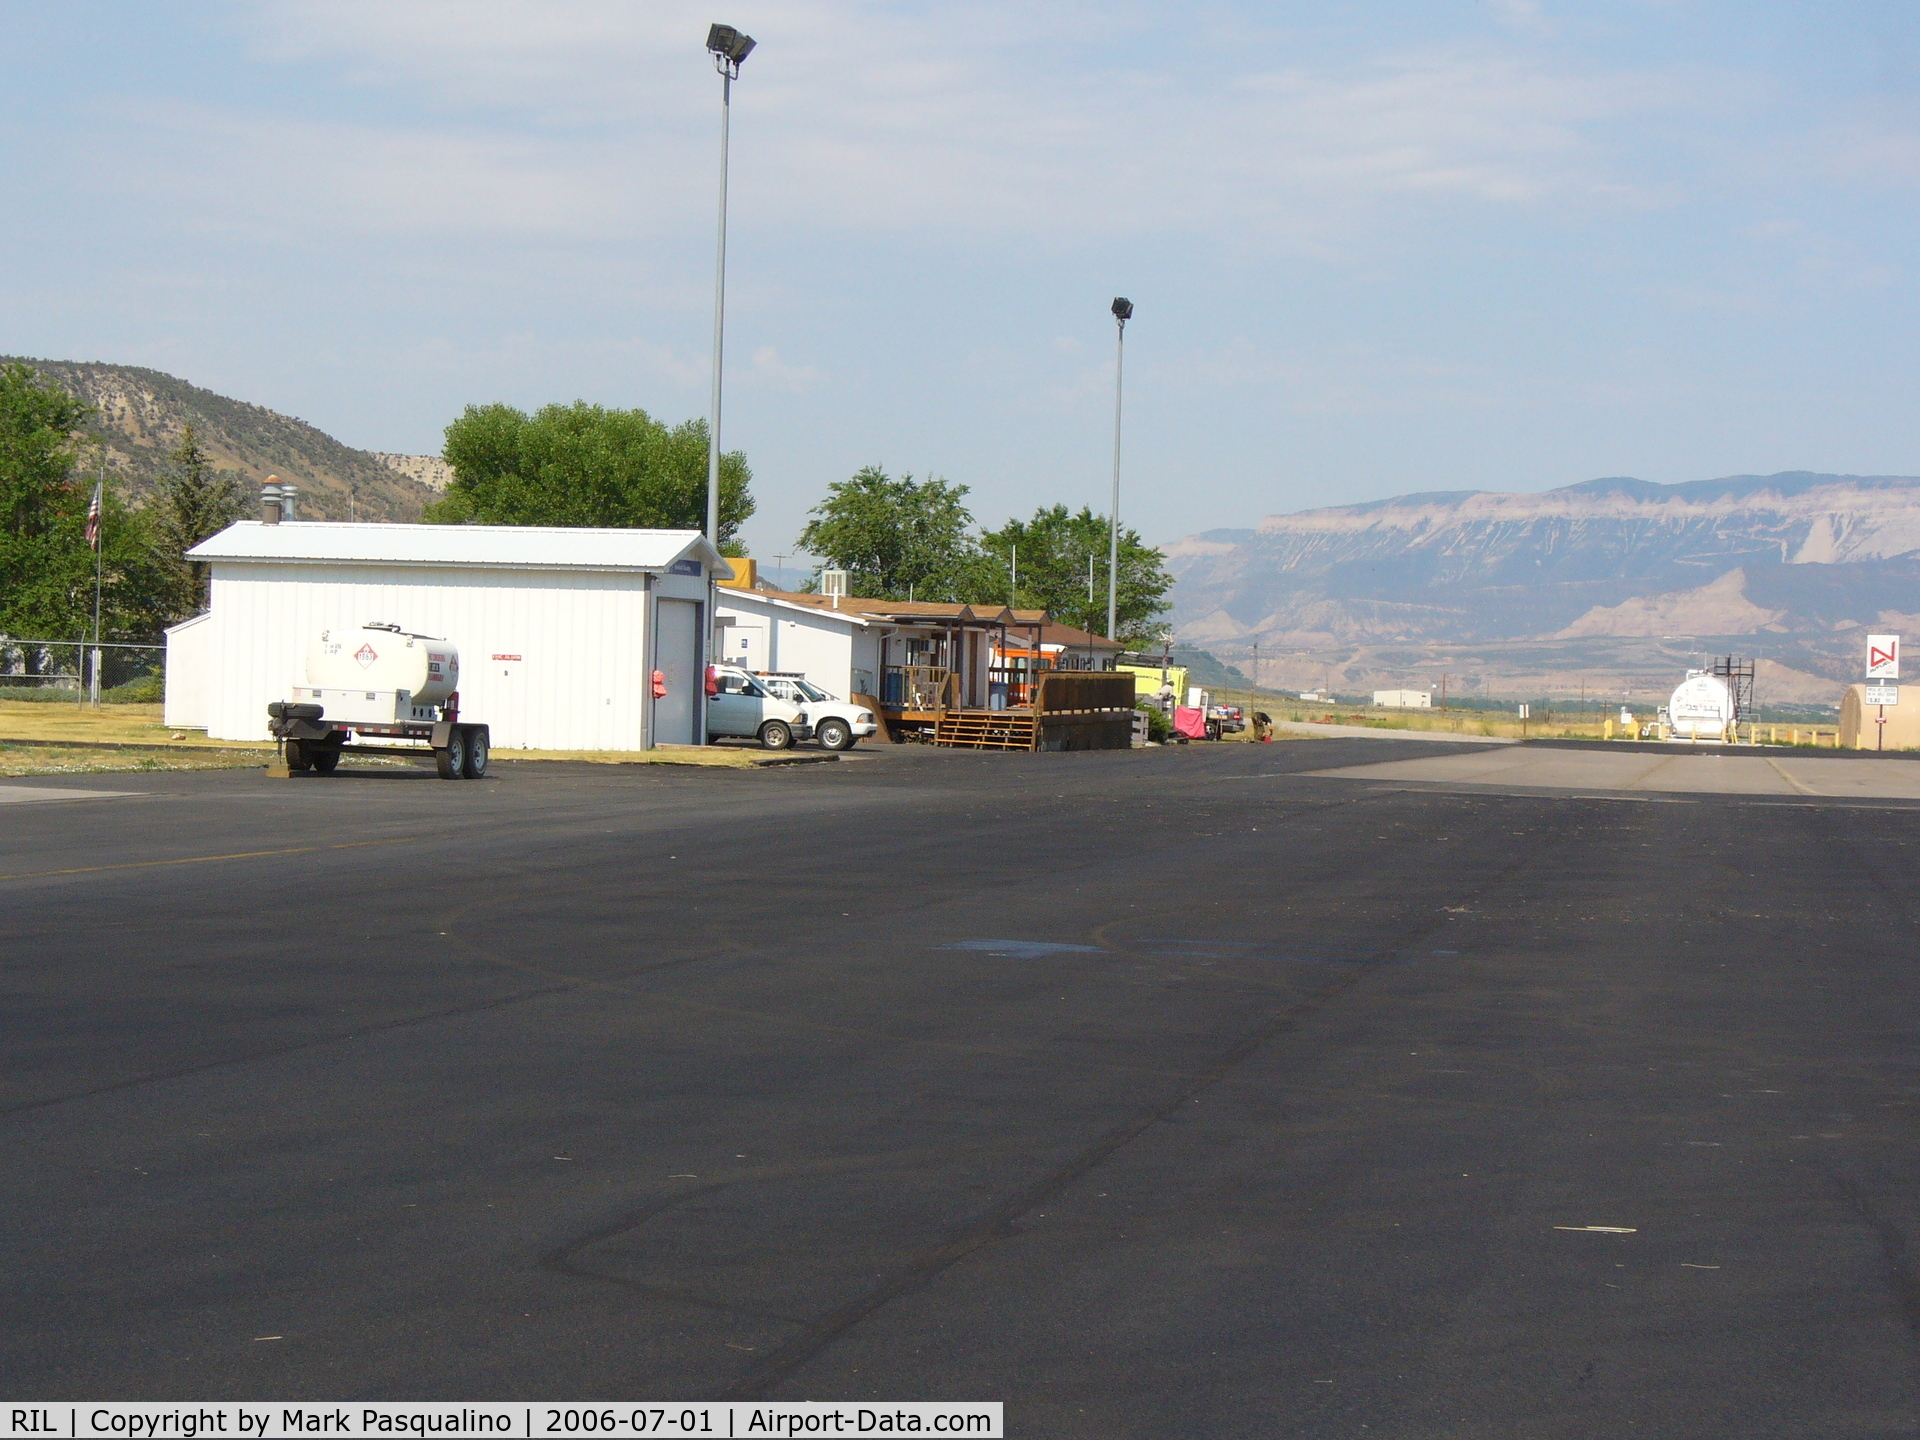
(1171, 1093)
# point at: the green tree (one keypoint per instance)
(897, 539)
(586, 465)
(192, 502)
(46, 565)
(1054, 550)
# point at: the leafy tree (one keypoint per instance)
(1054, 549)
(897, 539)
(192, 502)
(46, 565)
(586, 465)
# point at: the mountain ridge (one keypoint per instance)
(1798, 563)
(140, 415)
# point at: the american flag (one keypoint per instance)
(93, 519)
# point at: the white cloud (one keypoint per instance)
(769, 369)
(557, 116)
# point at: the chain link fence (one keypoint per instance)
(75, 671)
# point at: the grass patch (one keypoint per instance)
(29, 759)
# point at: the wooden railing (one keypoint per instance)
(919, 687)
(1083, 692)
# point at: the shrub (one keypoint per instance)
(148, 689)
(1159, 727)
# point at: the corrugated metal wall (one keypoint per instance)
(581, 637)
(189, 692)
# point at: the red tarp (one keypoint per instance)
(1190, 721)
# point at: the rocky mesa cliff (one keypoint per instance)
(1614, 581)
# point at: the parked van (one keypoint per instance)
(738, 705)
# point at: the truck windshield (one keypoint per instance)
(811, 691)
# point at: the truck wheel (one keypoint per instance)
(776, 735)
(476, 765)
(323, 758)
(299, 758)
(453, 759)
(834, 735)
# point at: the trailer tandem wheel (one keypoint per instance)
(451, 761)
(477, 748)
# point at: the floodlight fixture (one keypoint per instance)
(1122, 309)
(729, 47)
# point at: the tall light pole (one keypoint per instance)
(728, 48)
(1122, 312)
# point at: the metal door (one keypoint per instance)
(676, 652)
(507, 699)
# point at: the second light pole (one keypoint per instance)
(1122, 312)
(728, 48)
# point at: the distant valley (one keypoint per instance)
(1608, 586)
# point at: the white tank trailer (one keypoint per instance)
(381, 683)
(1702, 708)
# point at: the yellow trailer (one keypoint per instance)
(1147, 682)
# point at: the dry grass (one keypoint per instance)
(1492, 724)
(28, 721)
(29, 759)
(110, 724)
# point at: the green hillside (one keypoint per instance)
(141, 413)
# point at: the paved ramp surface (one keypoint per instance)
(1683, 772)
(26, 794)
(1168, 1093)
(1381, 732)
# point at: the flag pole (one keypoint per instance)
(97, 522)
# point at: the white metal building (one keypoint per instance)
(1403, 700)
(835, 649)
(559, 630)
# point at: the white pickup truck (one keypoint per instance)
(837, 724)
(778, 710)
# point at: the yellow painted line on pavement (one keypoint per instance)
(204, 859)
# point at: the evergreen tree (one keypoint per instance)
(192, 502)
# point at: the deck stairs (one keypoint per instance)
(987, 730)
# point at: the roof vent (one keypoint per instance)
(833, 583)
(270, 503)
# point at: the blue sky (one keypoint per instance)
(1375, 248)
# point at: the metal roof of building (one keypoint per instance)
(779, 599)
(509, 547)
(907, 612)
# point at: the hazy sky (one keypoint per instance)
(1381, 247)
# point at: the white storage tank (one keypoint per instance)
(1701, 708)
(384, 658)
